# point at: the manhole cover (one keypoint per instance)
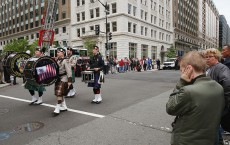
(4, 135)
(29, 127)
(3, 111)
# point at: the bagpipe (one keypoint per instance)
(35, 70)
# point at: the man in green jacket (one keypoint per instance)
(197, 102)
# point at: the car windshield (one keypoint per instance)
(170, 59)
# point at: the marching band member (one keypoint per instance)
(96, 63)
(63, 83)
(39, 88)
(72, 61)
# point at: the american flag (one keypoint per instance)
(45, 72)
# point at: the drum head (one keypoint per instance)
(41, 71)
(15, 63)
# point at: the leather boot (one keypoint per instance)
(39, 102)
(57, 110)
(63, 106)
(34, 99)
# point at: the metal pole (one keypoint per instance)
(106, 31)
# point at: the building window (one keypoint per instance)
(97, 12)
(142, 29)
(146, 31)
(83, 30)
(142, 13)
(134, 10)
(78, 32)
(134, 28)
(56, 31)
(78, 2)
(78, 17)
(91, 28)
(114, 8)
(154, 52)
(63, 15)
(146, 14)
(64, 29)
(129, 8)
(83, 2)
(144, 51)
(129, 26)
(114, 26)
(113, 49)
(31, 25)
(132, 50)
(36, 23)
(83, 16)
(32, 36)
(63, 2)
(91, 14)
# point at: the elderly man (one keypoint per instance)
(193, 101)
(226, 55)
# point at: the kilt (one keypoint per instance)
(95, 84)
(61, 88)
(38, 88)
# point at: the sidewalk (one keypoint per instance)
(145, 123)
(4, 85)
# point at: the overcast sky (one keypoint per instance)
(223, 7)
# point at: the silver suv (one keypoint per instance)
(169, 63)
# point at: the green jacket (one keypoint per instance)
(198, 107)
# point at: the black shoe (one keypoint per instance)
(92, 102)
(15, 83)
(98, 102)
(2, 83)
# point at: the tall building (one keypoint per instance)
(228, 36)
(208, 31)
(185, 22)
(196, 25)
(21, 19)
(223, 31)
(140, 28)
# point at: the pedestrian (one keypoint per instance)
(158, 64)
(221, 74)
(226, 55)
(64, 81)
(96, 63)
(72, 59)
(39, 88)
(193, 101)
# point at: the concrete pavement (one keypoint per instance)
(145, 123)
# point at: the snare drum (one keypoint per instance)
(15, 63)
(41, 71)
(87, 76)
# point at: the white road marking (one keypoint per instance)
(53, 106)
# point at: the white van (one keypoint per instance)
(169, 63)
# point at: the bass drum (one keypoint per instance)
(15, 63)
(41, 71)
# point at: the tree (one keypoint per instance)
(88, 44)
(17, 45)
(171, 52)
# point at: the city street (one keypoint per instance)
(132, 112)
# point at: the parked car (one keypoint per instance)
(169, 63)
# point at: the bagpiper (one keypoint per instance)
(63, 82)
(39, 52)
(96, 63)
(72, 59)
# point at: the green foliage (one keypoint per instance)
(21, 45)
(88, 44)
(171, 52)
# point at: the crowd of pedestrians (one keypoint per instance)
(114, 65)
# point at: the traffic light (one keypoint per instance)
(97, 30)
(110, 36)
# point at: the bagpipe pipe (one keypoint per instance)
(35, 70)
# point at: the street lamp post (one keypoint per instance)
(106, 25)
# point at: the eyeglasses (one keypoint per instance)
(209, 56)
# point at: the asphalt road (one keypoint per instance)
(132, 112)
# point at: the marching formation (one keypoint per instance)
(40, 71)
